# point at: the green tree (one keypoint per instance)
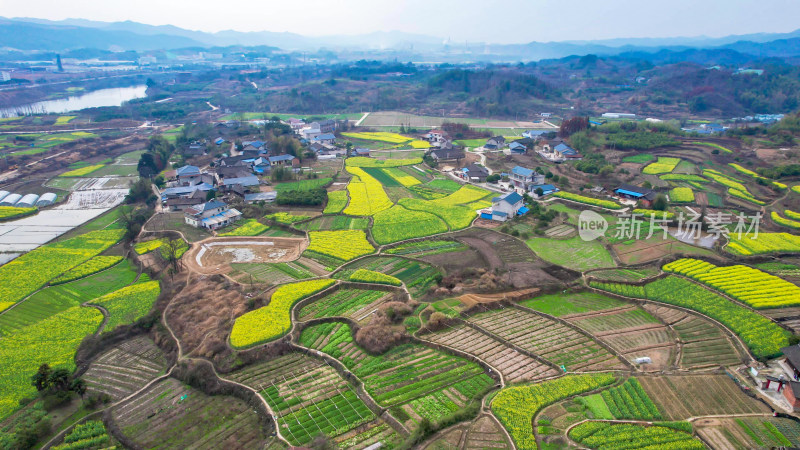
(41, 379)
(660, 203)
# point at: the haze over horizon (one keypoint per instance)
(509, 21)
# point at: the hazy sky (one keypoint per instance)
(503, 21)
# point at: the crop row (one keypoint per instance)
(681, 195)
(337, 200)
(89, 435)
(94, 265)
(340, 303)
(247, 227)
(713, 145)
(399, 223)
(588, 200)
(332, 416)
(382, 136)
(54, 340)
(341, 244)
(303, 185)
(82, 171)
(663, 165)
(24, 275)
(286, 218)
(516, 406)
(683, 177)
(370, 276)
(14, 212)
(367, 196)
(746, 284)
(363, 161)
(761, 335)
(402, 374)
(648, 213)
(613, 436)
(630, 401)
(428, 247)
(784, 221)
(756, 176)
(749, 244)
(129, 303)
(735, 187)
(272, 321)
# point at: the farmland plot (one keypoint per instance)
(277, 273)
(173, 415)
(54, 299)
(357, 304)
(417, 276)
(309, 397)
(761, 335)
(681, 397)
(566, 305)
(749, 432)
(547, 338)
(514, 366)
(125, 368)
(481, 434)
(703, 344)
(422, 382)
(632, 332)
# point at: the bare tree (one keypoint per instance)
(172, 251)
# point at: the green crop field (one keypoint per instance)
(573, 253)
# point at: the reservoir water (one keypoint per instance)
(94, 99)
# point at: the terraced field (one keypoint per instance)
(357, 304)
(681, 397)
(632, 332)
(415, 381)
(54, 299)
(703, 346)
(170, 414)
(125, 368)
(417, 276)
(310, 398)
(513, 365)
(277, 273)
(553, 341)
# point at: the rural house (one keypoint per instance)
(533, 134)
(495, 142)
(181, 203)
(195, 149)
(506, 207)
(792, 360)
(517, 148)
(547, 189)
(564, 152)
(325, 138)
(640, 194)
(447, 154)
(522, 178)
(281, 160)
(475, 173)
(436, 137)
(211, 215)
(792, 394)
(187, 175)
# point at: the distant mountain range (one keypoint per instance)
(28, 34)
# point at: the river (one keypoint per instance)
(94, 99)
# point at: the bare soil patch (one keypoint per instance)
(215, 255)
(202, 315)
(470, 300)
